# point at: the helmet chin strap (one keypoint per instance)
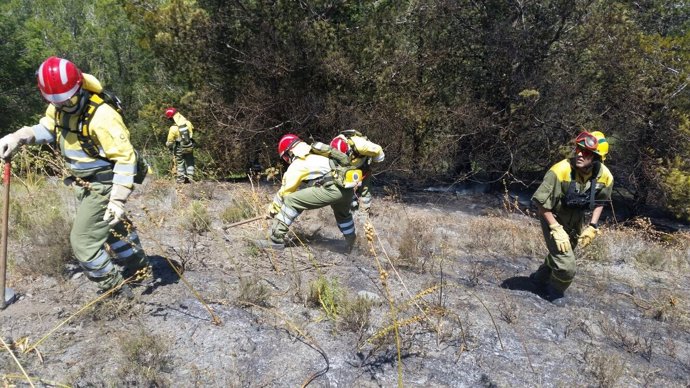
(81, 102)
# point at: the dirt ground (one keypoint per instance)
(437, 298)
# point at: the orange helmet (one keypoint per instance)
(170, 112)
(58, 79)
(285, 144)
(340, 144)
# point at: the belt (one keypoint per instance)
(103, 176)
(321, 181)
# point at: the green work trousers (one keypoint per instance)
(184, 163)
(314, 197)
(558, 269)
(90, 234)
(362, 198)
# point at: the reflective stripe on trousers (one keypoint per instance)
(287, 215)
(125, 248)
(347, 226)
(100, 266)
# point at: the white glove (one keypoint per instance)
(9, 143)
(116, 205)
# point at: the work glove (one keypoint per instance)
(11, 142)
(116, 205)
(587, 236)
(560, 237)
(273, 209)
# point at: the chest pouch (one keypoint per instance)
(576, 200)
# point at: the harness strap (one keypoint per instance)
(85, 140)
(592, 184)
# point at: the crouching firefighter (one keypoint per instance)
(330, 181)
(181, 143)
(362, 152)
(95, 146)
(570, 188)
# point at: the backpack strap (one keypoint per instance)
(593, 184)
(83, 133)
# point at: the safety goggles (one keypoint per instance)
(586, 141)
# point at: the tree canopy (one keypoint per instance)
(453, 89)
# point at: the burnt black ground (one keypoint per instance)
(482, 327)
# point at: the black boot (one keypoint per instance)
(555, 296)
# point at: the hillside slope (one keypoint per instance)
(429, 289)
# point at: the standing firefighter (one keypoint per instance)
(330, 179)
(571, 187)
(94, 143)
(362, 153)
(181, 143)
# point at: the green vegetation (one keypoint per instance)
(452, 90)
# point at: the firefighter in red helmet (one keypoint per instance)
(102, 164)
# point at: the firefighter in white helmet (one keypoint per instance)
(95, 145)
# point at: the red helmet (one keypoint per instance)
(285, 144)
(340, 144)
(170, 112)
(58, 79)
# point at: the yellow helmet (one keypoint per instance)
(594, 142)
(602, 144)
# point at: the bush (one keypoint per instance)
(196, 218)
(39, 221)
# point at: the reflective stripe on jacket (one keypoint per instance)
(108, 132)
(362, 149)
(306, 168)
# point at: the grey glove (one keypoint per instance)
(11, 142)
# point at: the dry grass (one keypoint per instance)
(416, 247)
(355, 315)
(40, 223)
(144, 359)
(502, 236)
(196, 218)
(627, 340)
(643, 247)
(606, 368)
(253, 292)
(244, 204)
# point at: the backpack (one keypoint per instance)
(345, 175)
(86, 141)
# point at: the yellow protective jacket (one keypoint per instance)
(174, 131)
(304, 167)
(555, 185)
(107, 130)
(363, 149)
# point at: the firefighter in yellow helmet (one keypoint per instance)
(569, 189)
(95, 146)
(180, 141)
(362, 153)
(329, 184)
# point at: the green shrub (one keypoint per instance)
(327, 294)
